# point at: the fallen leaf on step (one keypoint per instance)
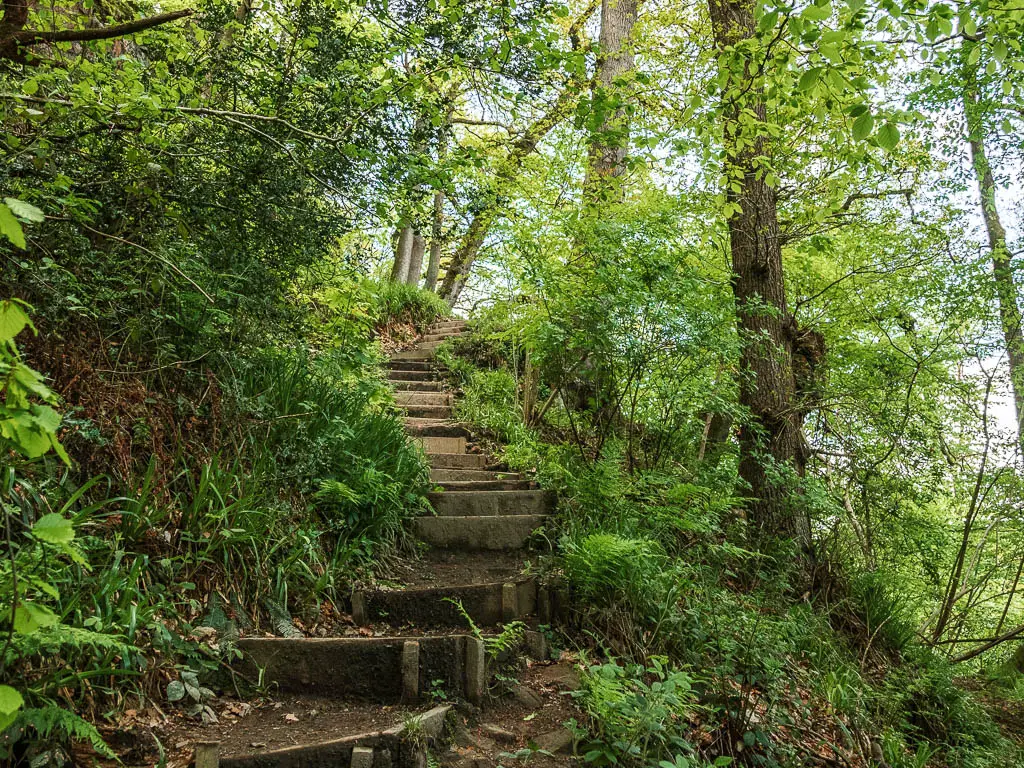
(291, 718)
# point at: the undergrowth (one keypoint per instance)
(298, 477)
(664, 580)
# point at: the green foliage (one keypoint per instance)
(401, 303)
(639, 715)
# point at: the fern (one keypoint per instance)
(510, 637)
(473, 628)
(58, 637)
(53, 722)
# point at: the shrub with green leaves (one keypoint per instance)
(638, 716)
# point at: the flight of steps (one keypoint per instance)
(417, 642)
(479, 509)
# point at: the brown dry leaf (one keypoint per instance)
(289, 718)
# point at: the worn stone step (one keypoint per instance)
(457, 460)
(487, 604)
(410, 365)
(413, 355)
(423, 398)
(419, 427)
(445, 475)
(478, 533)
(419, 376)
(447, 325)
(483, 503)
(431, 386)
(442, 445)
(432, 412)
(350, 737)
(380, 669)
(431, 344)
(444, 336)
(487, 484)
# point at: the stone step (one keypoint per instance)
(444, 336)
(443, 475)
(447, 325)
(457, 460)
(409, 365)
(416, 386)
(419, 376)
(429, 344)
(412, 397)
(492, 532)
(488, 484)
(379, 669)
(442, 445)
(403, 745)
(413, 355)
(432, 412)
(491, 503)
(487, 604)
(433, 428)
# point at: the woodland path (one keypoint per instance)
(412, 674)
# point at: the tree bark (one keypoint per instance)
(611, 89)
(771, 439)
(436, 241)
(403, 253)
(419, 246)
(1005, 284)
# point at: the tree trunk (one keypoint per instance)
(419, 245)
(1005, 284)
(436, 241)
(403, 253)
(771, 439)
(615, 65)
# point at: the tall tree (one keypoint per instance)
(771, 440)
(1006, 289)
(403, 253)
(610, 92)
(419, 246)
(436, 241)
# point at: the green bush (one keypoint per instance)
(637, 716)
(401, 303)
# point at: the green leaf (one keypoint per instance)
(10, 703)
(10, 700)
(809, 79)
(24, 210)
(888, 136)
(175, 690)
(54, 529)
(999, 50)
(863, 126)
(10, 227)
(818, 12)
(13, 320)
(29, 617)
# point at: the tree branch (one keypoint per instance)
(907, 193)
(10, 43)
(990, 644)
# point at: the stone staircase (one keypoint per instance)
(417, 642)
(479, 509)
